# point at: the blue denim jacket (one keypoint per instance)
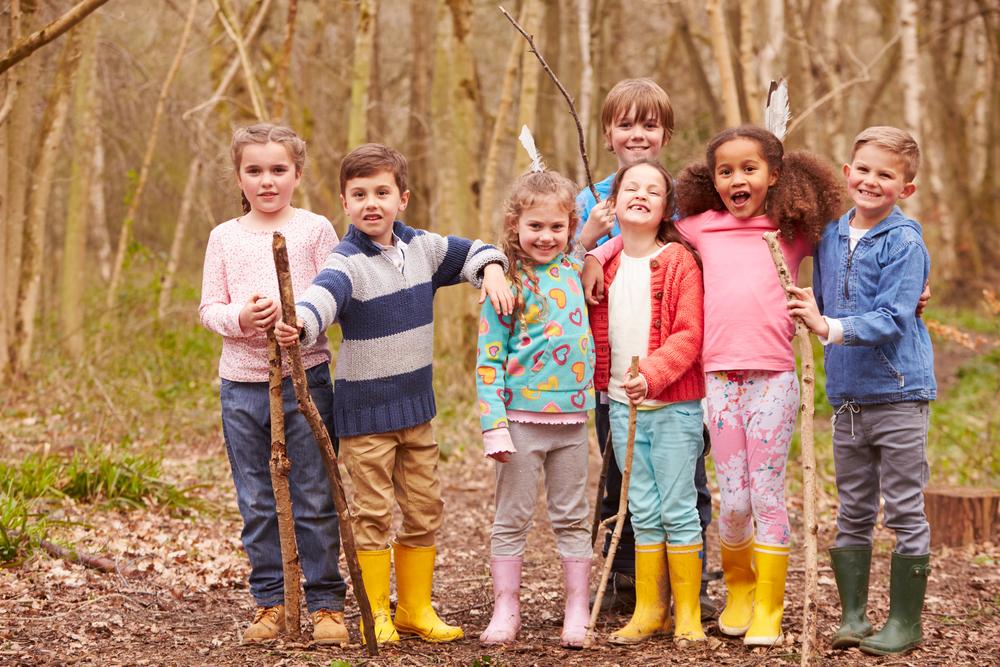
(886, 356)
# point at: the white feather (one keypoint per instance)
(776, 112)
(528, 142)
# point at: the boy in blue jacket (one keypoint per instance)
(870, 268)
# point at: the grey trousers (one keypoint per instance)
(882, 448)
(561, 451)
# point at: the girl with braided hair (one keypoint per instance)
(534, 378)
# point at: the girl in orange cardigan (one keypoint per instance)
(653, 310)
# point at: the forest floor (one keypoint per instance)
(187, 602)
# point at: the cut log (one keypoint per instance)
(962, 515)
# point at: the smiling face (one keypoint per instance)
(372, 204)
(876, 179)
(742, 177)
(268, 178)
(641, 199)
(543, 231)
(633, 139)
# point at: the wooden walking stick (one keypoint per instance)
(619, 518)
(807, 409)
(311, 414)
(280, 466)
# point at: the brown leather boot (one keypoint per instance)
(329, 628)
(268, 623)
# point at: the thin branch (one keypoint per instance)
(566, 95)
(248, 73)
(36, 40)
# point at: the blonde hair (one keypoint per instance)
(530, 190)
(645, 96)
(265, 133)
(898, 142)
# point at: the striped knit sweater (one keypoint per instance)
(384, 368)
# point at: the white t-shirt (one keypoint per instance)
(629, 318)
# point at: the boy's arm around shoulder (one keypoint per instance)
(682, 347)
(897, 293)
(462, 260)
(326, 299)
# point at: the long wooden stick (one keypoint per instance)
(311, 414)
(280, 466)
(620, 521)
(601, 484)
(566, 96)
(806, 407)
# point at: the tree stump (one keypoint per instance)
(962, 515)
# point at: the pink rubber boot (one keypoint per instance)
(577, 576)
(506, 619)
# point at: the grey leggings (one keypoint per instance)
(561, 450)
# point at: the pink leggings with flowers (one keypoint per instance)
(751, 417)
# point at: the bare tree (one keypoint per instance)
(361, 72)
(724, 62)
(25, 47)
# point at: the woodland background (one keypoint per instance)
(114, 168)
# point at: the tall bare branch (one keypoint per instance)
(36, 40)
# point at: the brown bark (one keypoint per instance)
(960, 515)
(98, 563)
(704, 84)
(311, 414)
(180, 231)
(12, 80)
(98, 226)
(724, 62)
(25, 47)
(361, 72)
(282, 90)
(586, 77)
(419, 134)
(753, 97)
(807, 441)
(33, 240)
(280, 465)
(527, 99)
(73, 276)
(147, 161)
(229, 25)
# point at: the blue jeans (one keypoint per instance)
(661, 494)
(246, 426)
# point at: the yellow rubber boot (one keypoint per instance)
(414, 579)
(769, 598)
(738, 572)
(651, 596)
(375, 569)
(684, 563)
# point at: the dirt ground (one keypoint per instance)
(188, 602)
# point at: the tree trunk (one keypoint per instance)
(753, 97)
(126, 230)
(33, 240)
(99, 222)
(418, 153)
(361, 72)
(180, 233)
(465, 96)
(770, 66)
(724, 62)
(74, 273)
(962, 516)
(489, 208)
(282, 90)
(10, 95)
(586, 78)
(802, 84)
(705, 87)
(527, 110)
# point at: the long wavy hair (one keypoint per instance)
(807, 194)
(530, 190)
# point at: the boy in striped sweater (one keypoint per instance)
(379, 283)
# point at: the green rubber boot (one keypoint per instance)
(851, 566)
(907, 586)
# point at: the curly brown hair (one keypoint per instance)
(530, 190)
(808, 193)
(667, 232)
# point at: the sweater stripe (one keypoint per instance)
(364, 359)
(390, 314)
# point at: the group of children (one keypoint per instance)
(677, 275)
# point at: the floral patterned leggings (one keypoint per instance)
(751, 417)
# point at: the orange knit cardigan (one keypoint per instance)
(672, 367)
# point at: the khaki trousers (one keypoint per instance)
(398, 466)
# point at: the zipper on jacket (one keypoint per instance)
(847, 274)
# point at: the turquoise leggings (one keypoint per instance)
(661, 492)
